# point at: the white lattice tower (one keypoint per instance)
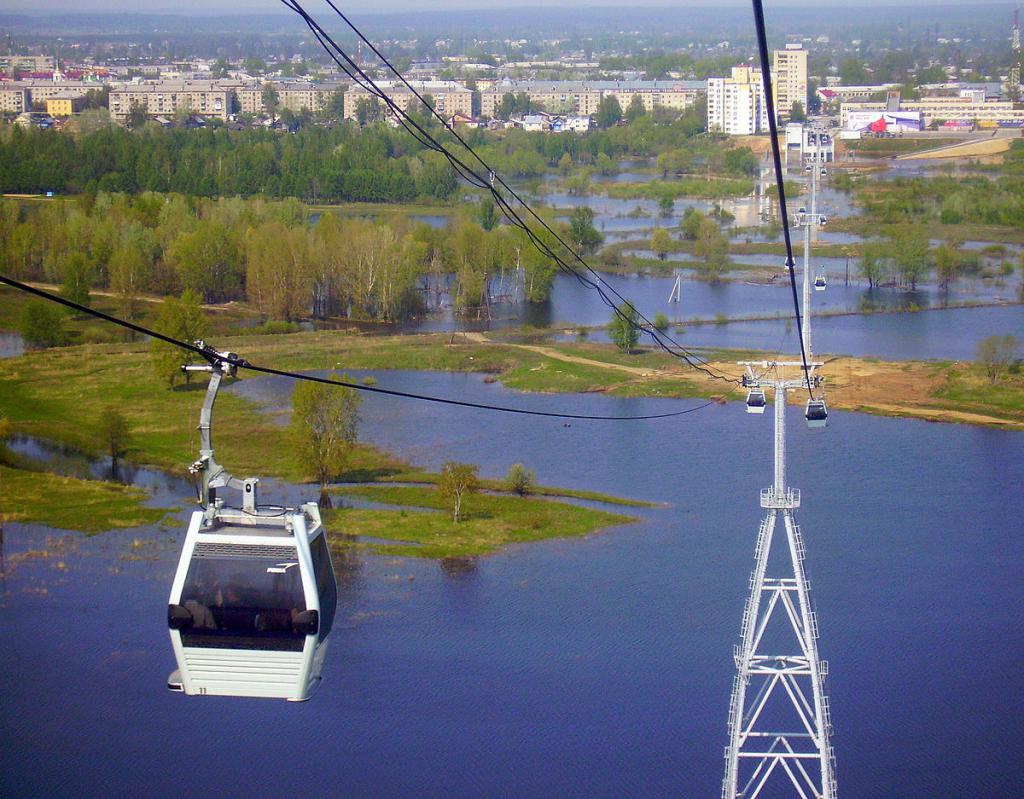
(779, 719)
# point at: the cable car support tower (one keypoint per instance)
(779, 719)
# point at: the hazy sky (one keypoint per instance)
(369, 6)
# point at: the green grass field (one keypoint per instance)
(72, 504)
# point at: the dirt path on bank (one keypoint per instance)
(53, 288)
(881, 387)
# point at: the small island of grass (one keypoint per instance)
(489, 522)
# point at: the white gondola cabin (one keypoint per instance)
(756, 400)
(254, 595)
(819, 281)
(816, 414)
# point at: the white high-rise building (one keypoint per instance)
(736, 105)
(790, 75)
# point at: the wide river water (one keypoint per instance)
(943, 333)
(598, 667)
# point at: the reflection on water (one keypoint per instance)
(950, 334)
(11, 344)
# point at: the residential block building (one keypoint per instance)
(208, 98)
(584, 97)
(736, 105)
(14, 98)
(789, 69)
(449, 97)
(64, 105)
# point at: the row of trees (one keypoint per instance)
(713, 155)
(346, 162)
(947, 200)
(906, 256)
(710, 243)
(269, 254)
(341, 163)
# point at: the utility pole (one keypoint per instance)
(674, 295)
(779, 717)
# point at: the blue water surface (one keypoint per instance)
(598, 667)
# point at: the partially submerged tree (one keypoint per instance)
(114, 434)
(624, 329)
(712, 246)
(910, 250)
(873, 262)
(582, 231)
(458, 480)
(661, 243)
(997, 354)
(324, 427)
(520, 480)
(41, 324)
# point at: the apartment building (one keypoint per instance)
(14, 98)
(584, 97)
(39, 91)
(449, 97)
(854, 94)
(736, 105)
(297, 95)
(27, 63)
(208, 98)
(789, 68)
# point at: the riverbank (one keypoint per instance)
(55, 394)
(58, 395)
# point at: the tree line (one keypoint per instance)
(947, 200)
(276, 255)
(336, 164)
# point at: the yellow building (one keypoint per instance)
(63, 105)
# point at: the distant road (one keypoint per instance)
(986, 145)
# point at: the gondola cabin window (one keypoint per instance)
(244, 602)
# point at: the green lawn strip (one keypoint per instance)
(552, 375)
(490, 522)
(59, 395)
(82, 329)
(668, 388)
(971, 392)
(73, 504)
(881, 147)
(340, 351)
(391, 209)
(682, 187)
(432, 478)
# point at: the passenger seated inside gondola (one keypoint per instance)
(239, 600)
